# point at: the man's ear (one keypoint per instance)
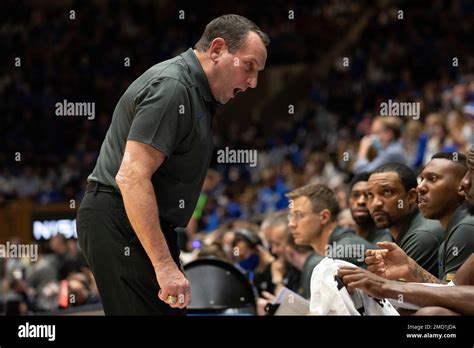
(412, 198)
(325, 216)
(461, 191)
(217, 48)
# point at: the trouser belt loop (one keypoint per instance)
(96, 188)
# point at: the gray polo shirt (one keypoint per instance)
(305, 281)
(379, 235)
(458, 245)
(169, 107)
(420, 239)
(345, 244)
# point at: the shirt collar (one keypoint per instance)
(406, 225)
(339, 232)
(199, 76)
(459, 214)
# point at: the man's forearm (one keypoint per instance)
(459, 299)
(142, 211)
(420, 275)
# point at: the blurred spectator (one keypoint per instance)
(252, 258)
(384, 138)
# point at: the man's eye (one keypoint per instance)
(433, 178)
(369, 194)
(387, 192)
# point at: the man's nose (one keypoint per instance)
(361, 201)
(466, 182)
(377, 202)
(252, 82)
(421, 188)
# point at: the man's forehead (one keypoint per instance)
(440, 166)
(384, 178)
(278, 232)
(254, 49)
(359, 185)
(301, 202)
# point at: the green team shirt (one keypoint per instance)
(169, 107)
(311, 261)
(345, 244)
(420, 239)
(374, 236)
(458, 245)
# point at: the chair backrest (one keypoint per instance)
(218, 285)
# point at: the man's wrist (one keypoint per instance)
(163, 264)
(414, 272)
(393, 289)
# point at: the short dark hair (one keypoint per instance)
(321, 197)
(406, 175)
(363, 176)
(451, 156)
(244, 235)
(456, 158)
(233, 29)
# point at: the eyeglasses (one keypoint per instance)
(298, 215)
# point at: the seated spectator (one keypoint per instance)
(384, 138)
(252, 258)
(431, 141)
(42, 271)
(66, 261)
(280, 273)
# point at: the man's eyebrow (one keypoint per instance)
(387, 185)
(253, 60)
(424, 174)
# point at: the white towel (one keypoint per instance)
(329, 296)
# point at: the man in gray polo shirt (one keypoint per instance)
(393, 204)
(152, 164)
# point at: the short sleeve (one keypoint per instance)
(460, 247)
(422, 246)
(160, 111)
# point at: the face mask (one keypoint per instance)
(250, 263)
(376, 143)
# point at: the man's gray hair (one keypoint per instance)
(275, 219)
(233, 29)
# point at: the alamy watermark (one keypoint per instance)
(237, 156)
(66, 108)
(394, 108)
(19, 251)
(345, 251)
(37, 331)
